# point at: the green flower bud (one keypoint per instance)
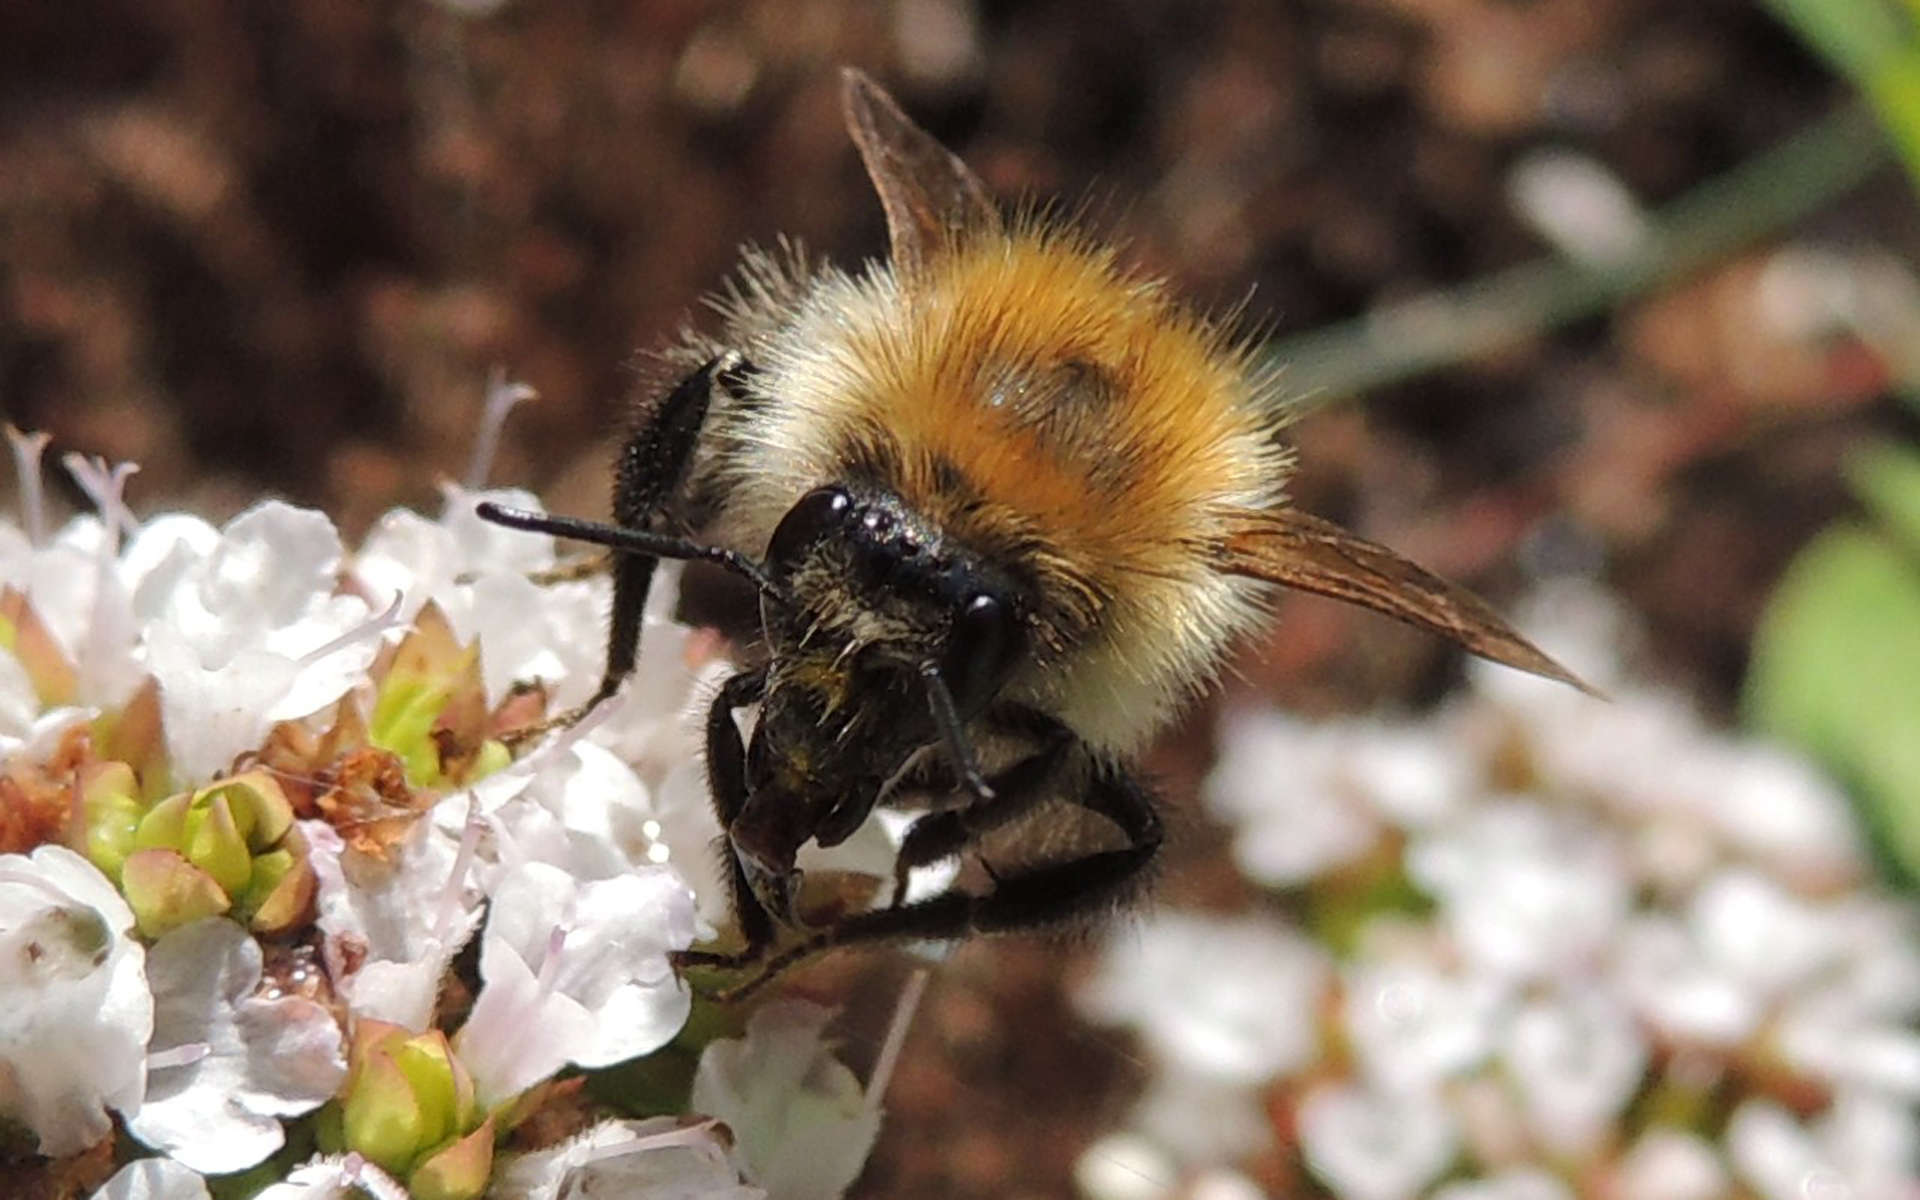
(409, 1107)
(110, 809)
(166, 891)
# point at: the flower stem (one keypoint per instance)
(1412, 337)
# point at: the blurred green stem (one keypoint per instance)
(1876, 46)
(1411, 337)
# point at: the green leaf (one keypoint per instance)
(1887, 478)
(1836, 668)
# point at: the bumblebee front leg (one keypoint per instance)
(652, 465)
(1034, 897)
(727, 784)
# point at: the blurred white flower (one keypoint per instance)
(1792, 820)
(1666, 1164)
(1859, 1148)
(1670, 984)
(1287, 833)
(1125, 1166)
(1305, 798)
(1236, 998)
(75, 1008)
(1580, 207)
(1415, 1025)
(1201, 1118)
(226, 1064)
(1527, 891)
(1649, 914)
(1577, 1059)
(1759, 933)
(1522, 1184)
(1370, 1145)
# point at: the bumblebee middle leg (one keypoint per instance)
(1034, 897)
(1013, 793)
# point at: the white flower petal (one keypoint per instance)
(335, 1177)
(801, 1121)
(519, 1031)
(613, 959)
(250, 1060)
(392, 925)
(161, 556)
(154, 1179)
(658, 1159)
(214, 713)
(75, 1010)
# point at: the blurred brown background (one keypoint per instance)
(276, 248)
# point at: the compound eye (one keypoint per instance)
(985, 641)
(812, 517)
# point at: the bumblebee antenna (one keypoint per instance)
(623, 540)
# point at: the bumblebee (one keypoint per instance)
(1006, 505)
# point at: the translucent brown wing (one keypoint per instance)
(1290, 548)
(931, 198)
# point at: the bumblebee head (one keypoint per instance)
(883, 580)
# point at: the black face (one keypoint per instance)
(971, 611)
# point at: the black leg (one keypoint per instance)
(727, 784)
(1034, 897)
(1017, 791)
(650, 471)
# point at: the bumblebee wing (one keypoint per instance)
(930, 196)
(1295, 550)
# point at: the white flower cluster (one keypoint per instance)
(580, 867)
(1537, 945)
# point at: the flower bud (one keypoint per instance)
(409, 1108)
(230, 846)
